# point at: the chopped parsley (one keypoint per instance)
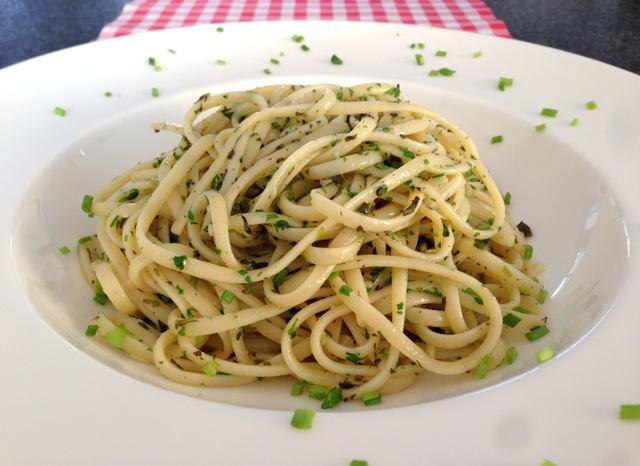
(179, 261)
(407, 153)
(91, 330)
(359, 463)
(281, 225)
(336, 60)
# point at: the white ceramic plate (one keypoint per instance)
(576, 186)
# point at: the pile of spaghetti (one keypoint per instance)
(339, 235)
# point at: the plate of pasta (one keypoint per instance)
(317, 245)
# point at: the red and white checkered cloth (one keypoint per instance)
(150, 15)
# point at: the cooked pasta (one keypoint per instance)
(339, 235)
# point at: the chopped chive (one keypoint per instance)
(221, 62)
(100, 298)
(336, 60)
(441, 53)
(574, 122)
(407, 153)
(345, 290)
(297, 388)
(511, 320)
(393, 91)
(537, 333)
(630, 412)
(541, 127)
(521, 310)
(129, 195)
(87, 202)
(549, 112)
(227, 296)
(220, 29)
(303, 418)
(545, 354)
(151, 61)
(473, 294)
(477, 54)
(507, 199)
(527, 251)
(108, 94)
(359, 463)
(496, 139)
(333, 275)
(155, 92)
(266, 71)
(433, 73)
(353, 357)
(503, 83)
(179, 261)
(180, 289)
(305, 47)
(371, 398)
(548, 463)
(293, 329)
(64, 250)
(171, 51)
(91, 330)
(275, 61)
(297, 38)
(542, 296)
(333, 398)
(157, 68)
(117, 336)
(592, 105)
(280, 276)
(210, 368)
(446, 72)
(483, 366)
(85, 239)
(419, 59)
(59, 111)
(318, 392)
(512, 355)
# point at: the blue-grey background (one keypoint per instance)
(607, 30)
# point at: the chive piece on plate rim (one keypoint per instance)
(592, 105)
(541, 127)
(59, 111)
(537, 333)
(549, 112)
(496, 139)
(630, 412)
(303, 418)
(544, 354)
(64, 250)
(336, 60)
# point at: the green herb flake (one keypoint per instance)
(359, 463)
(220, 29)
(108, 94)
(542, 296)
(85, 239)
(171, 51)
(511, 355)
(474, 295)
(303, 418)
(574, 122)
(549, 112)
(483, 366)
(371, 398)
(503, 83)
(64, 250)
(527, 251)
(544, 354)
(407, 153)
(227, 296)
(477, 54)
(507, 199)
(210, 368)
(87, 202)
(521, 310)
(266, 71)
(333, 398)
(155, 92)
(419, 59)
(537, 333)
(297, 38)
(353, 357)
(393, 91)
(297, 388)
(446, 72)
(117, 336)
(305, 47)
(630, 412)
(496, 139)
(511, 320)
(91, 330)
(60, 111)
(592, 105)
(129, 195)
(434, 73)
(336, 60)
(345, 290)
(541, 127)
(293, 328)
(441, 53)
(280, 276)
(318, 392)
(221, 62)
(179, 262)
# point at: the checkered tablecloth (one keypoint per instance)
(150, 15)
